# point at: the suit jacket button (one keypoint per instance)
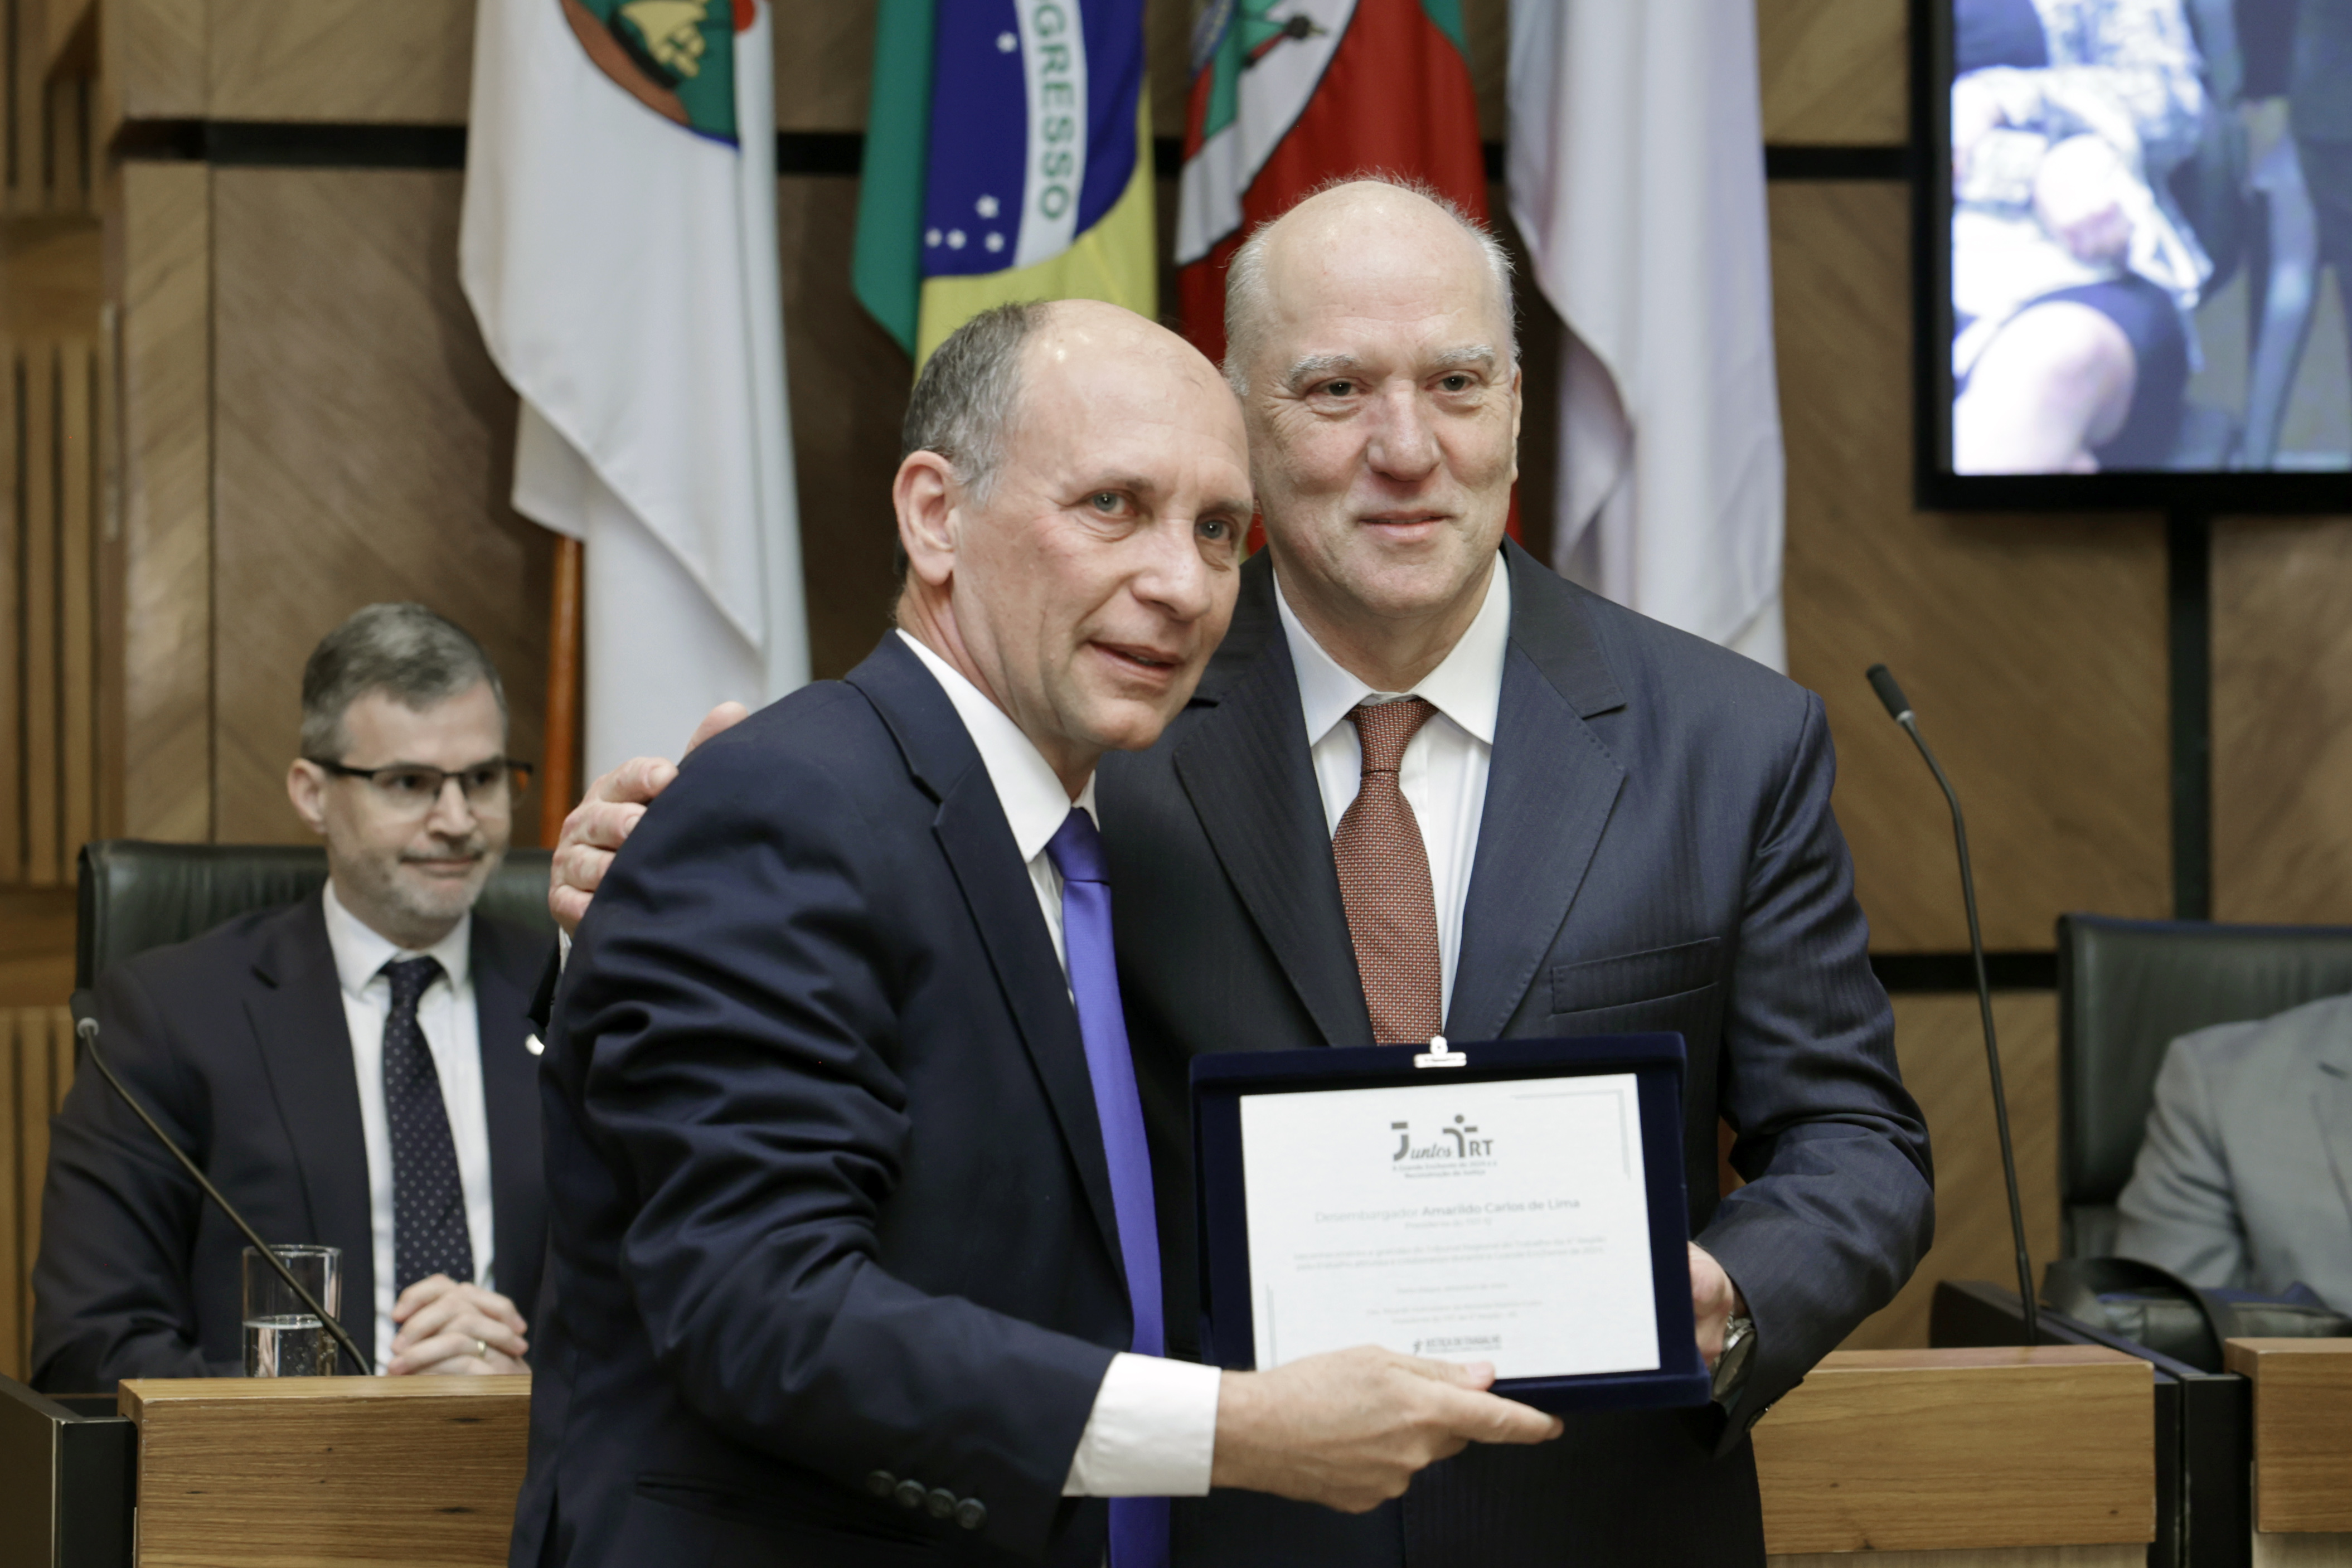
(972, 1513)
(910, 1494)
(881, 1482)
(941, 1502)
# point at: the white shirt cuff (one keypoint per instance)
(1154, 1432)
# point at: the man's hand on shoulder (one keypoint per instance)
(447, 1327)
(601, 823)
(1350, 1429)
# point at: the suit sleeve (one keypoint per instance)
(731, 1031)
(2179, 1210)
(118, 1215)
(1839, 1206)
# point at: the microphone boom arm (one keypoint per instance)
(86, 1027)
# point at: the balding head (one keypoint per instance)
(1351, 212)
(1071, 507)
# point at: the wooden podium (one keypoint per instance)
(294, 1472)
(2303, 1450)
(2022, 1459)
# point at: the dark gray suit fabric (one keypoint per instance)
(830, 1196)
(1656, 853)
(238, 1043)
(2245, 1179)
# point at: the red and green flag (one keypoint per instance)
(1289, 93)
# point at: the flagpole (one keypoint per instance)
(563, 732)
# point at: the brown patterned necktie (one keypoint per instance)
(1384, 882)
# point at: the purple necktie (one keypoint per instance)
(1138, 1525)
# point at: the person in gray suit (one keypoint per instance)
(2245, 1179)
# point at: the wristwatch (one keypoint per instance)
(1738, 1350)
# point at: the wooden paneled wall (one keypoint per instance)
(50, 548)
(49, 152)
(35, 1069)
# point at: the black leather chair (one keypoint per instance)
(136, 895)
(2126, 988)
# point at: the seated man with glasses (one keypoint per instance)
(352, 1069)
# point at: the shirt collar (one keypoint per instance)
(362, 952)
(1466, 686)
(1036, 804)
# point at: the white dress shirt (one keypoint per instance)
(452, 1033)
(1443, 772)
(1153, 1430)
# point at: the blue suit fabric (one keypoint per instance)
(836, 1232)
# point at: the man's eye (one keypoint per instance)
(477, 780)
(1339, 389)
(1456, 382)
(1106, 500)
(1216, 528)
(407, 784)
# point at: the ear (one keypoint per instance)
(927, 496)
(306, 786)
(1518, 412)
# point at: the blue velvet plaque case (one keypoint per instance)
(1222, 1081)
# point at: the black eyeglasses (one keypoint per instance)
(413, 787)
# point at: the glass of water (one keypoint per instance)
(282, 1337)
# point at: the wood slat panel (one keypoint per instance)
(849, 384)
(351, 60)
(15, 1257)
(2303, 1431)
(38, 485)
(2283, 720)
(35, 1087)
(37, 942)
(237, 1473)
(77, 605)
(163, 217)
(1899, 1451)
(1835, 72)
(362, 452)
(2333, 1550)
(1940, 1043)
(12, 618)
(1981, 617)
(155, 57)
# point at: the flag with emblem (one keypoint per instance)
(619, 251)
(1289, 93)
(1008, 156)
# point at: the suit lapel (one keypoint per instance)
(1244, 767)
(510, 1109)
(297, 1015)
(1550, 788)
(978, 843)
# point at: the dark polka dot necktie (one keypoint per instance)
(428, 1201)
(1384, 882)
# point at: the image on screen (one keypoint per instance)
(2151, 235)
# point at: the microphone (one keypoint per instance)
(85, 1017)
(1898, 709)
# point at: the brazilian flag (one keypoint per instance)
(1007, 157)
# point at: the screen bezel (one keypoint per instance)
(1936, 487)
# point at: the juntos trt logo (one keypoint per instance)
(1453, 1146)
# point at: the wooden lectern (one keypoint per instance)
(2020, 1459)
(2303, 1450)
(2015, 1458)
(292, 1472)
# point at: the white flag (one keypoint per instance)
(1637, 178)
(619, 250)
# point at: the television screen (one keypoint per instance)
(2140, 217)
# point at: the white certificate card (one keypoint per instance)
(1498, 1222)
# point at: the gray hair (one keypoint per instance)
(1246, 286)
(964, 402)
(405, 651)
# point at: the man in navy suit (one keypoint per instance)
(348, 1070)
(854, 1246)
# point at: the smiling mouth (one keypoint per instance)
(1147, 661)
